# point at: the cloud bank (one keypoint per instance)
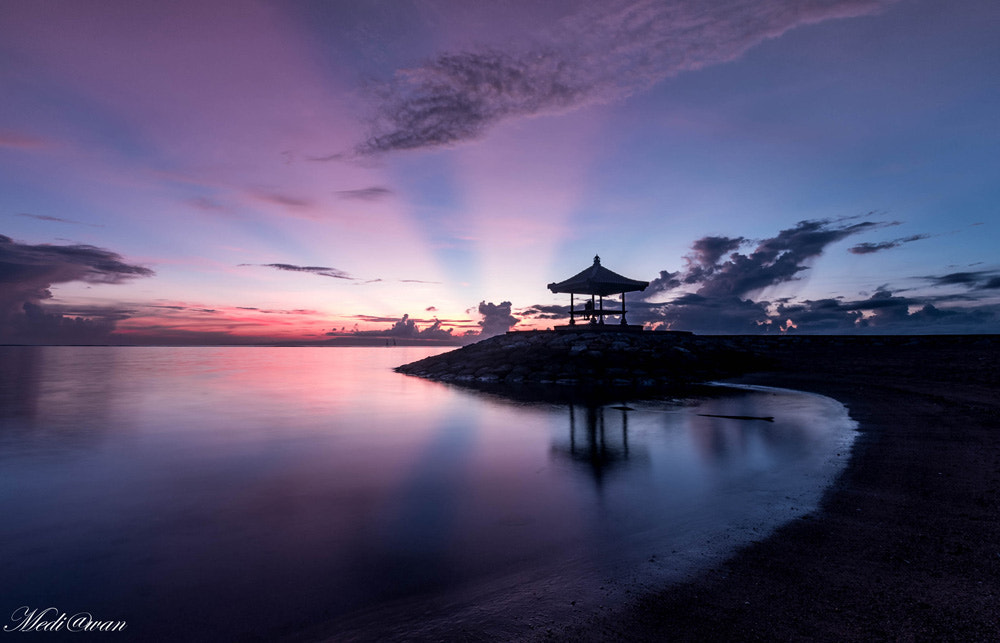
(27, 272)
(723, 284)
(406, 328)
(603, 53)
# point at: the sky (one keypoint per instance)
(244, 171)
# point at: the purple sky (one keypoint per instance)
(217, 171)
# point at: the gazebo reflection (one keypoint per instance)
(599, 440)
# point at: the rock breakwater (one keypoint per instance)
(616, 359)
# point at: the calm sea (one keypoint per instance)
(246, 493)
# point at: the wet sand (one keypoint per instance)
(905, 545)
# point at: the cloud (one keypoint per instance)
(45, 217)
(666, 281)
(283, 200)
(496, 318)
(822, 316)
(374, 193)
(376, 318)
(603, 53)
(885, 312)
(978, 279)
(325, 271)
(545, 311)
(329, 157)
(405, 328)
(322, 271)
(868, 248)
(961, 278)
(773, 261)
(28, 271)
(718, 286)
(691, 311)
(207, 204)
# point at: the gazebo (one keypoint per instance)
(598, 282)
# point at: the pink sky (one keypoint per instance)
(436, 155)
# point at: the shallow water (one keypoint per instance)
(231, 493)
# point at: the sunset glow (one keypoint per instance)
(219, 172)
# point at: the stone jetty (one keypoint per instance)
(589, 358)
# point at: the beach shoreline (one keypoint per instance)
(903, 546)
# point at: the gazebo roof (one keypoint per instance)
(598, 280)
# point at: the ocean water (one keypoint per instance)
(249, 493)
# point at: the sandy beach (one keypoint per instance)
(905, 545)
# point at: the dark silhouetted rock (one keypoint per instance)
(608, 359)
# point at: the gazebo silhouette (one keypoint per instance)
(598, 282)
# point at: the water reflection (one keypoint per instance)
(284, 488)
(598, 440)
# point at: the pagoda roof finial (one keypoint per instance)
(597, 259)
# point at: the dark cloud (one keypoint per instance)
(885, 312)
(880, 310)
(666, 281)
(773, 261)
(821, 316)
(374, 193)
(709, 250)
(541, 311)
(991, 284)
(38, 326)
(322, 271)
(45, 217)
(702, 314)
(28, 271)
(605, 52)
(496, 318)
(725, 281)
(974, 280)
(958, 278)
(868, 247)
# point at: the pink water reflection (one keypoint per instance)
(277, 491)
